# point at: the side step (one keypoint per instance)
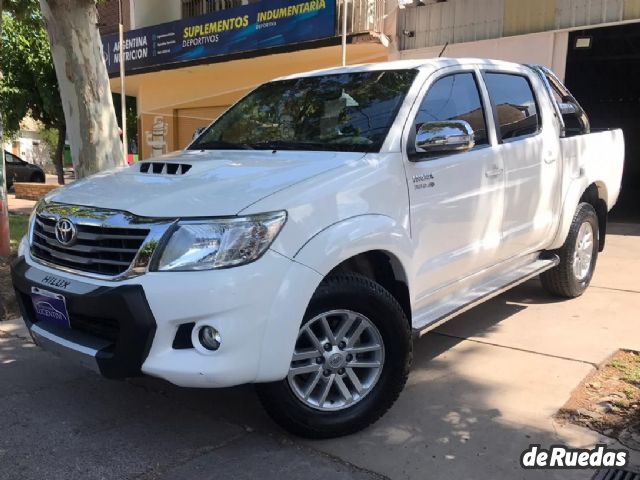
(473, 297)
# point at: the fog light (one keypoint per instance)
(209, 338)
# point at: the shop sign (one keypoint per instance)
(258, 26)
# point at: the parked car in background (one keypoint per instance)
(304, 239)
(17, 170)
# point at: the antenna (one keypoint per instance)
(443, 49)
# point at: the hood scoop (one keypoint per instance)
(164, 168)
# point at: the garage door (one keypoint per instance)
(191, 119)
(603, 72)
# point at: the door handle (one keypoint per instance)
(494, 172)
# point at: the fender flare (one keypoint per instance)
(571, 201)
(354, 236)
(311, 264)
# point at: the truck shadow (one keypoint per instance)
(625, 229)
(449, 422)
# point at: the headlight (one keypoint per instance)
(23, 246)
(210, 244)
(32, 220)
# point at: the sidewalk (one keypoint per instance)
(20, 207)
(484, 386)
(24, 207)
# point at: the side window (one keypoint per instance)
(455, 97)
(515, 103)
(9, 158)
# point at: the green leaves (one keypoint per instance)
(29, 84)
(24, 10)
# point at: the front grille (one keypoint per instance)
(106, 328)
(98, 249)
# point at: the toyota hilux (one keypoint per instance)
(307, 237)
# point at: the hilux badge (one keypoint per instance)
(66, 232)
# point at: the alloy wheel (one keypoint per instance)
(583, 252)
(337, 360)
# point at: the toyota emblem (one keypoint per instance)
(66, 232)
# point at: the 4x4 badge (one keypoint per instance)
(426, 180)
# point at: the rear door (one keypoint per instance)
(456, 199)
(530, 152)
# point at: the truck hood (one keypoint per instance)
(218, 183)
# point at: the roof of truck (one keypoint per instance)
(403, 65)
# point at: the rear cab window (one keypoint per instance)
(516, 108)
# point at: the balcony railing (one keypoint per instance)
(362, 15)
(193, 8)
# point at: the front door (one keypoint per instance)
(457, 200)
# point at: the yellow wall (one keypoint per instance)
(184, 98)
(522, 17)
(631, 9)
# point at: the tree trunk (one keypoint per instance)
(85, 92)
(5, 242)
(59, 154)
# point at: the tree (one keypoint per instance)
(5, 244)
(29, 86)
(82, 75)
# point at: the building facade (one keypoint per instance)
(27, 144)
(187, 61)
(593, 45)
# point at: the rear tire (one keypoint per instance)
(37, 177)
(578, 256)
(373, 312)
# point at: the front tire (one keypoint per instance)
(351, 361)
(578, 256)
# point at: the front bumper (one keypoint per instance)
(130, 327)
(112, 327)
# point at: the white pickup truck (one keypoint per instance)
(306, 237)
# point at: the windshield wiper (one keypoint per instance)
(288, 145)
(220, 145)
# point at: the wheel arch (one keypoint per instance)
(384, 268)
(375, 246)
(595, 194)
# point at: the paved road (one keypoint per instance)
(484, 386)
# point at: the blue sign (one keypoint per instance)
(50, 307)
(261, 25)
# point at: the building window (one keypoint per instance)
(193, 8)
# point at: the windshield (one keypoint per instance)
(345, 112)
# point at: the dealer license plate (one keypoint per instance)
(50, 307)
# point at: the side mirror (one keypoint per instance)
(451, 136)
